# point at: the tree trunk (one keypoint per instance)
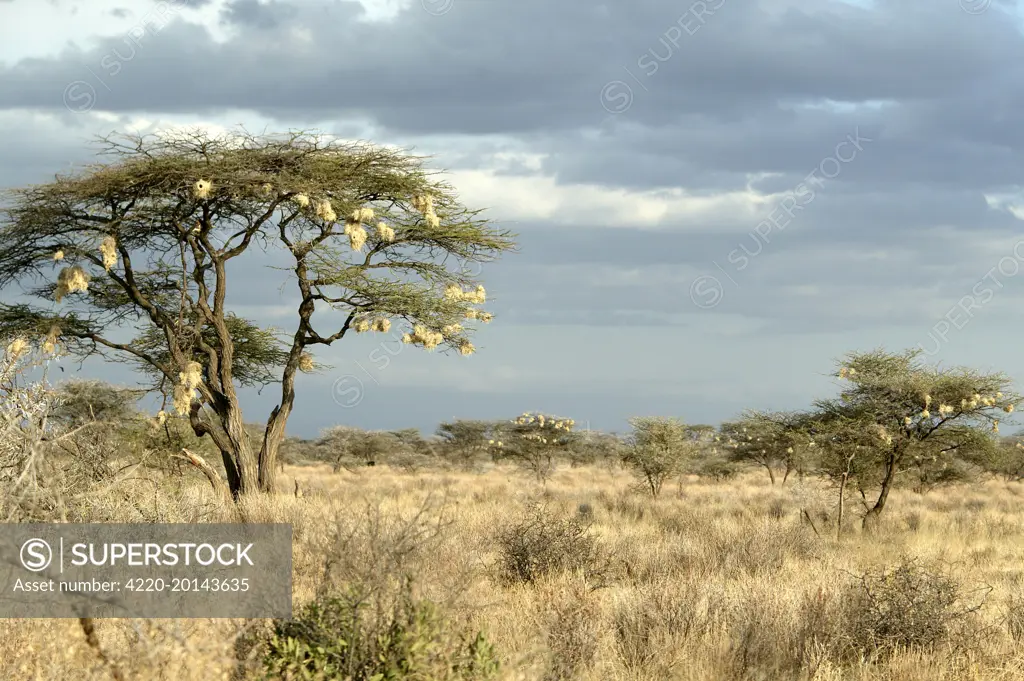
(842, 495)
(871, 517)
(272, 438)
(240, 465)
(274, 432)
(771, 473)
(245, 459)
(842, 505)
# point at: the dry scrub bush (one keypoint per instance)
(371, 618)
(912, 605)
(755, 547)
(542, 542)
(50, 467)
(717, 468)
(24, 428)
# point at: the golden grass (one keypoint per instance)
(710, 581)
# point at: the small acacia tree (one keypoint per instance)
(464, 440)
(86, 400)
(147, 242)
(895, 411)
(657, 449)
(771, 440)
(1008, 459)
(533, 441)
(702, 432)
(595, 447)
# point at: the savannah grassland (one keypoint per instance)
(712, 580)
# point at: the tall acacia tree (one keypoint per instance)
(895, 411)
(144, 241)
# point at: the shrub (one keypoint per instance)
(82, 401)
(348, 447)
(715, 468)
(909, 606)
(464, 441)
(542, 543)
(341, 637)
(593, 447)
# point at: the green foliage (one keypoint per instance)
(257, 357)
(142, 243)
(714, 467)
(594, 447)
(658, 449)
(411, 451)
(926, 475)
(347, 446)
(702, 432)
(339, 637)
(413, 439)
(1007, 459)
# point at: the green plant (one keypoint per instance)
(462, 440)
(342, 637)
(772, 440)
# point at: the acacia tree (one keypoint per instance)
(145, 243)
(84, 401)
(896, 412)
(657, 450)
(1008, 459)
(595, 447)
(533, 440)
(770, 440)
(464, 439)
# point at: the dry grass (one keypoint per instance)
(712, 581)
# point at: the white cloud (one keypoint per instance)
(541, 197)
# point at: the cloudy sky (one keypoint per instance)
(713, 201)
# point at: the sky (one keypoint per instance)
(714, 202)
